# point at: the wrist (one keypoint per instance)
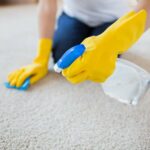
(44, 51)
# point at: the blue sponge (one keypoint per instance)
(24, 86)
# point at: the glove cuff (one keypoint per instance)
(127, 30)
(44, 51)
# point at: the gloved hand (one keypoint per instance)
(37, 70)
(98, 61)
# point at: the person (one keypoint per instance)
(101, 27)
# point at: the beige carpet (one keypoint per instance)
(55, 115)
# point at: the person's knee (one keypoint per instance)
(69, 33)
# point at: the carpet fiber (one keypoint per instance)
(55, 115)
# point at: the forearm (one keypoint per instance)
(47, 17)
(144, 4)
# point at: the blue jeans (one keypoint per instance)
(71, 32)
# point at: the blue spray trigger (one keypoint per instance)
(69, 57)
(24, 86)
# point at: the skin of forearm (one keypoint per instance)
(144, 4)
(46, 16)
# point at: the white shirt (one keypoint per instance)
(95, 12)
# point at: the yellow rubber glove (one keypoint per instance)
(37, 70)
(98, 61)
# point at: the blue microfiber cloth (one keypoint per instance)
(24, 86)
